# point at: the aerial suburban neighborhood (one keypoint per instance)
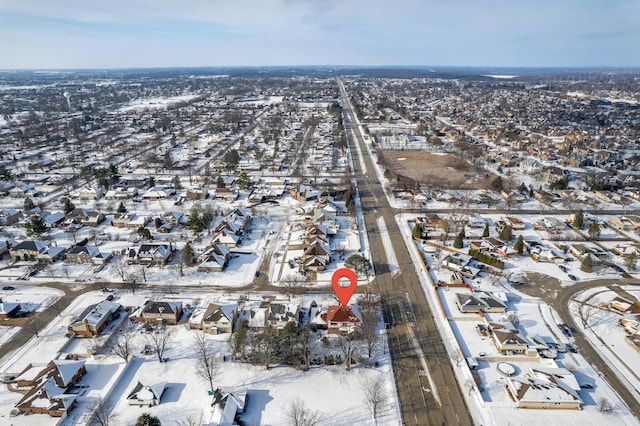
(169, 240)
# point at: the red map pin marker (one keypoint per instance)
(344, 293)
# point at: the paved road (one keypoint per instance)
(406, 308)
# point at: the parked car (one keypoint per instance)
(573, 277)
(8, 287)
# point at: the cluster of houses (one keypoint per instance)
(544, 385)
(320, 227)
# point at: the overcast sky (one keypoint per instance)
(161, 33)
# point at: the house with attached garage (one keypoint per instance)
(50, 388)
(94, 319)
(479, 302)
(148, 395)
(151, 254)
(215, 319)
(159, 312)
(534, 392)
(28, 250)
(87, 254)
(338, 319)
(214, 258)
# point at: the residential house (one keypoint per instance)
(9, 217)
(90, 193)
(87, 216)
(151, 254)
(214, 259)
(51, 387)
(479, 302)
(227, 407)
(508, 341)
(87, 255)
(159, 312)
(456, 261)
(304, 192)
(129, 221)
(158, 193)
(218, 319)
(51, 255)
(626, 222)
(227, 238)
(94, 319)
(533, 392)
(197, 194)
(28, 250)
(148, 395)
(9, 310)
(280, 314)
(338, 319)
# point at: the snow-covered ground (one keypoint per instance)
(329, 390)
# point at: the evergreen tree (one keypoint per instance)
(157, 222)
(220, 182)
(358, 263)
(459, 241)
(506, 233)
(67, 205)
(497, 184)
(485, 233)
(187, 255)
(35, 226)
(121, 208)
(578, 219)
(587, 264)
(519, 245)
(630, 260)
(28, 204)
(152, 181)
(243, 181)
(195, 223)
(147, 419)
(417, 231)
(231, 159)
(594, 230)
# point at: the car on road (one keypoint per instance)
(8, 287)
(563, 268)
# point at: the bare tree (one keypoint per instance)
(605, 406)
(369, 307)
(376, 396)
(34, 326)
(122, 345)
(588, 312)
(121, 269)
(205, 352)
(470, 384)
(294, 284)
(349, 347)
(159, 340)
(298, 414)
(457, 356)
(192, 420)
(103, 414)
